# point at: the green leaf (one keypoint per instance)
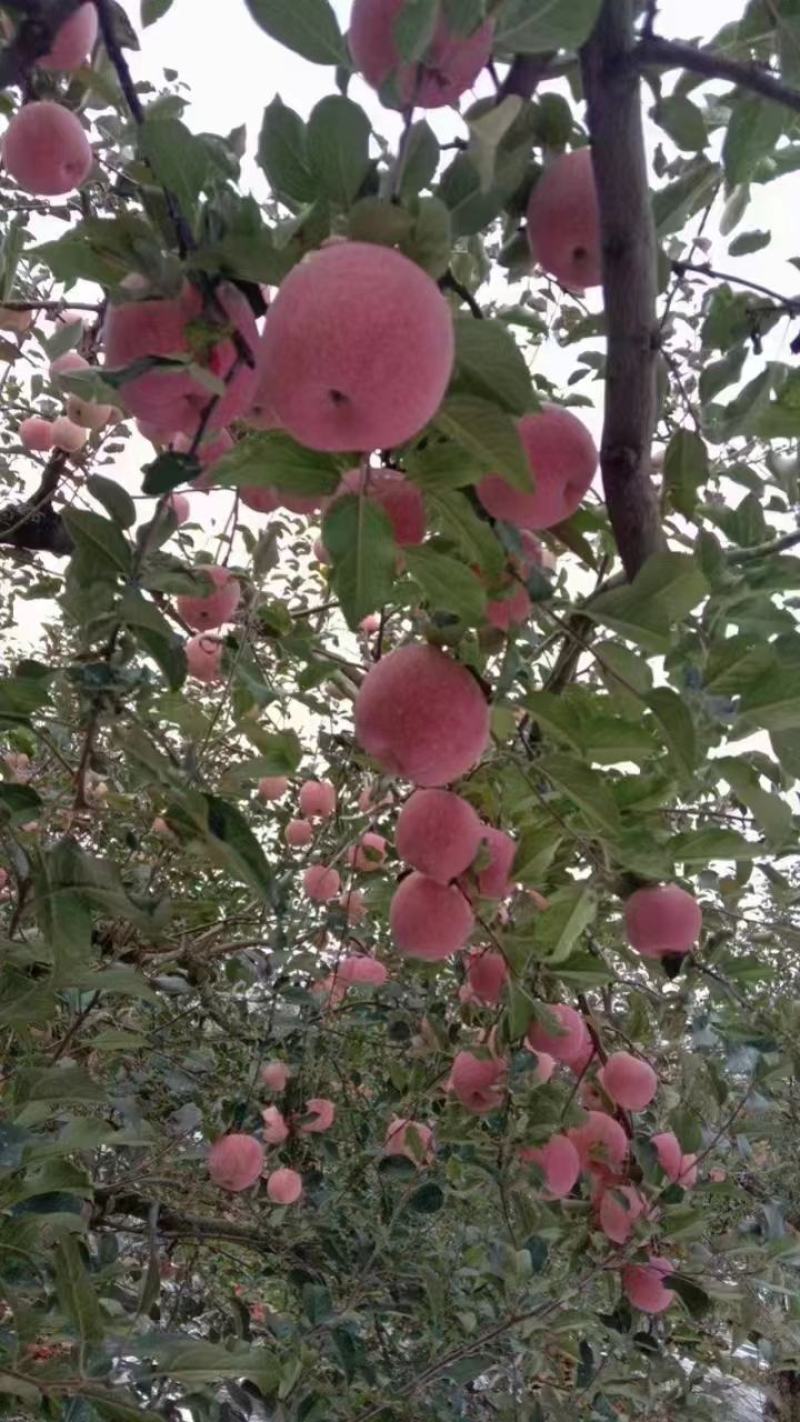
(63, 909)
(226, 834)
(685, 470)
(415, 27)
(137, 611)
(153, 10)
(772, 813)
(338, 147)
(663, 592)
(272, 459)
(421, 159)
(73, 258)
(440, 464)
(447, 585)
(786, 747)
(584, 971)
(465, 1370)
(677, 727)
(119, 1040)
(358, 536)
(384, 223)
(750, 412)
(625, 673)
(236, 845)
(571, 912)
(691, 1294)
(115, 500)
(167, 471)
(583, 785)
(490, 364)
(453, 516)
(736, 664)
(703, 845)
(744, 525)
(14, 1385)
(283, 153)
(122, 982)
(537, 849)
(429, 240)
(557, 716)
(179, 160)
(772, 702)
(317, 1303)
(427, 1200)
(487, 129)
(675, 203)
(116, 1405)
(309, 27)
(717, 375)
(748, 242)
(490, 435)
(281, 751)
(198, 1362)
(18, 803)
(168, 654)
(21, 695)
(99, 540)
(532, 26)
(76, 1293)
(752, 131)
(683, 121)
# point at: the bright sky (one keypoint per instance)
(233, 70)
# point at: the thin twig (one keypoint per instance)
(790, 303)
(114, 49)
(449, 282)
(765, 550)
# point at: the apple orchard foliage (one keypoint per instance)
(399, 962)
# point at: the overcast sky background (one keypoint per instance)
(233, 70)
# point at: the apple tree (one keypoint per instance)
(399, 722)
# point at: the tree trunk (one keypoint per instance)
(614, 99)
(783, 1400)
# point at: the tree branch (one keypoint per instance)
(114, 49)
(673, 54)
(791, 304)
(765, 550)
(34, 524)
(613, 93)
(525, 76)
(449, 282)
(113, 1202)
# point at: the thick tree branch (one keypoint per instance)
(525, 76)
(34, 524)
(39, 530)
(111, 1202)
(613, 94)
(673, 54)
